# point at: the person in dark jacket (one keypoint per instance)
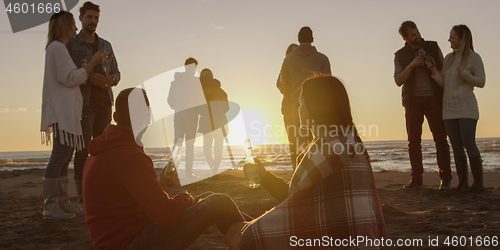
(422, 96)
(286, 109)
(213, 120)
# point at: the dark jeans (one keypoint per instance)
(211, 209)
(185, 128)
(59, 159)
(95, 118)
(462, 133)
(431, 108)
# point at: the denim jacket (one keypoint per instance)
(79, 50)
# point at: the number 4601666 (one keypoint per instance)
(33, 8)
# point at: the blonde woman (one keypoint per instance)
(462, 71)
(61, 113)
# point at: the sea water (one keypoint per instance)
(385, 156)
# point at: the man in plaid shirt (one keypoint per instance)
(332, 192)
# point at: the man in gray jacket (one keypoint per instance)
(304, 62)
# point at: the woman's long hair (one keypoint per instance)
(465, 47)
(327, 101)
(59, 25)
(328, 104)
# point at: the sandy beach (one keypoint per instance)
(425, 214)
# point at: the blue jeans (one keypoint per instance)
(95, 118)
(462, 133)
(211, 209)
(59, 159)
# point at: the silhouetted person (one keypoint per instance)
(286, 109)
(422, 97)
(185, 97)
(303, 63)
(213, 120)
(97, 93)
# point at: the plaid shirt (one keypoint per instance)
(331, 196)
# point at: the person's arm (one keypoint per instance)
(284, 79)
(401, 75)
(67, 72)
(476, 76)
(225, 101)
(327, 70)
(114, 71)
(277, 187)
(280, 85)
(141, 181)
(436, 75)
(171, 96)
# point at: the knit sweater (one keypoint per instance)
(62, 100)
(459, 100)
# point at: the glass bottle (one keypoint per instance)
(250, 168)
(171, 172)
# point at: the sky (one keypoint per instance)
(244, 43)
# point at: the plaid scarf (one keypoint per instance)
(332, 194)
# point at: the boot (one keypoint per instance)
(476, 166)
(64, 202)
(463, 174)
(51, 208)
(78, 187)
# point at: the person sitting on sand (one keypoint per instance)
(332, 191)
(126, 207)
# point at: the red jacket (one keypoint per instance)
(121, 192)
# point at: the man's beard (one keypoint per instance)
(418, 42)
(91, 29)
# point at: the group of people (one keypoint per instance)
(441, 89)
(80, 70)
(127, 206)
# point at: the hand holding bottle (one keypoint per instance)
(169, 180)
(251, 168)
(97, 59)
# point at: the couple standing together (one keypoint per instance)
(80, 70)
(200, 105)
(441, 89)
